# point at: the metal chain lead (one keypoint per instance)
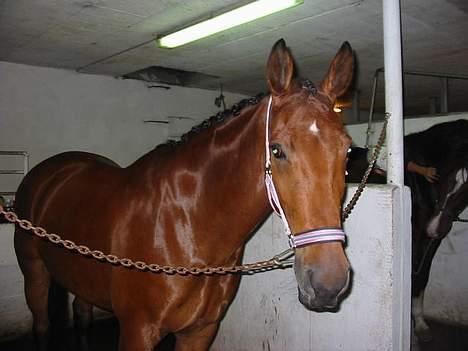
(363, 183)
(277, 261)
(280, 260)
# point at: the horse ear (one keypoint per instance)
(340, 73)
(280, 68)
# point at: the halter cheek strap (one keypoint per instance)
(300, 239)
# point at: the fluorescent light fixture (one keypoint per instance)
(233, 18)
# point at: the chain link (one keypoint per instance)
(279, 261)
(362, 185)
(276, 262)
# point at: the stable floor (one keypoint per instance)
(104, 336)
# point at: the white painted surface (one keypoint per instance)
(46, 111)
(14, 314)
(446, 297)
(393, 89)
(266, 314)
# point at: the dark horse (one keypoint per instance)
(193, 203)
(435, 206)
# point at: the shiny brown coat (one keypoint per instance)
(193, 204)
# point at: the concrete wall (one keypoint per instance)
(447, 293)
(266, 314)
(46, 111)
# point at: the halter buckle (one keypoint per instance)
(292, 245)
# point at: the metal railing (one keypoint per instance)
(443, 98)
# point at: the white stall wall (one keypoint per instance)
(446, 296)
(266, 314)
(46, 111)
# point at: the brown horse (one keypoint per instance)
(193, 203)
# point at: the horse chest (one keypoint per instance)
(207, 301)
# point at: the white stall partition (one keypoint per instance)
(266, 314)
(446, 296)
(15, 317)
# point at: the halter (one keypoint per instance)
(307, 237)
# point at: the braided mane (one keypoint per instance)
(234, 111)
(221, 116)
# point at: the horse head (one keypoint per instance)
(308, 146)
(452, 200)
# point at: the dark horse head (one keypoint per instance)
(309, 148)
(451, 201)
(357, 164)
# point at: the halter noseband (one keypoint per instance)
(303, 238)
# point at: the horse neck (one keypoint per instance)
(216, 182)
(233, 176)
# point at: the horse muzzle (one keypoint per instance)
(323, 298)
(320, 286)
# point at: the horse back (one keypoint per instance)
(70, 194)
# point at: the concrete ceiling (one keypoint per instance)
(108, 37)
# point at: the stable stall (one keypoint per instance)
(266, 313)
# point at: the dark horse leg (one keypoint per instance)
(45, 299)
(421, 272)
(36, 287)
(82, 317)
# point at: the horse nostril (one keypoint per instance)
(310, 275)
(328, 290)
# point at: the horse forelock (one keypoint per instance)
(309, 86)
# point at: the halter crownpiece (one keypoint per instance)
(300, 239)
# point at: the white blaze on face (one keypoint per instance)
(314, 128)
(460, 178)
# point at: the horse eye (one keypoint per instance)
(277, 151)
